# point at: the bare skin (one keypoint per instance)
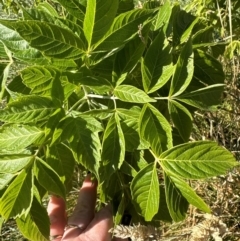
(93, 226)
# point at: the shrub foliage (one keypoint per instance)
(110, 88)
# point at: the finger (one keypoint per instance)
(85, 208)
(57, 215)
(99, 228)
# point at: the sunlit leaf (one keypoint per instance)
(130, 93)
(113, 147)
(51, 39)
(12, 163)
(155, 129)
(5, 178)
(48, 178)
(35, 226)
(176, 203)
(16, 200)
(197, 160)
(98, 19)
(74, 7)
(121, 30)
(145, 192)
(163, 15)
(157, 65)
(16, 137)
(61, 159)
(28, 109)
(188, 193)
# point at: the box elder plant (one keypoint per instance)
(110, 88)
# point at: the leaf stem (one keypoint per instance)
(161, 98)
(102, 97)
(76, 104)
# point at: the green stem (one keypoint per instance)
(161, 98)
(102, 97)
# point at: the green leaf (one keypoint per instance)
(176, 202)
(207, 69)
(52, 122)
(98, 19)
(61, 159)
(37, 14)
(128, 57)
(97, 84)
(44, 81)
(163, 16)
(28, 109)
(129, 120)
(74, 7)
(16, 200)
(184, 71)
(127, 169)
(120, 211)
(48, 178)
(35, 226)
(155, 129)
(5, 179)
(19, 47)
(125, 5)
(190, 195)
(187, 33)
(129, 93)
(4, 78)
(181, 21)
(51, 39)
(163, 213)
(47, 8)
(124, 27)
(157, 64)
(113, 146)
(16, 137)
(82, 134)
(206, 98)
(182, 119)
(145, 191)
(197, 160)
(12, 163)
(99, 114)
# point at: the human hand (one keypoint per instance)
(84, 224)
